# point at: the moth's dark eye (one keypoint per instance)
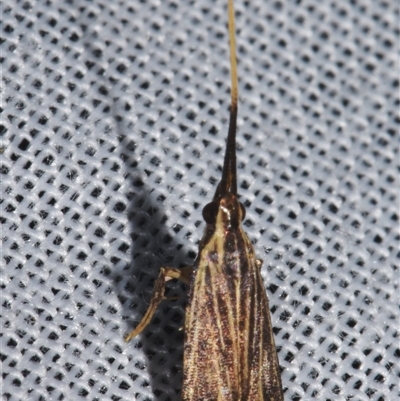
(243, 211)
(210, 212)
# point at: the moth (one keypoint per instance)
(229, 350)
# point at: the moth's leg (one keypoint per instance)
(166, 274)
(184, 274)
(259, 263)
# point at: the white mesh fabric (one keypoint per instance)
(113, 124)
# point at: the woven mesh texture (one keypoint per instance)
(113, 124)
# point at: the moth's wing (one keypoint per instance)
(209, 354)
(229, 350)
(270, 371)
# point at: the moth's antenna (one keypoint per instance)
(228, 182)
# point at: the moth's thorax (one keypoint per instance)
(230, 213)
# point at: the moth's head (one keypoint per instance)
(225, 212)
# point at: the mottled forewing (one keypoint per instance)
(229, 350)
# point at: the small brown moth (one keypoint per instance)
(229, 351)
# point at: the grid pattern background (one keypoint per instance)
(113, 124)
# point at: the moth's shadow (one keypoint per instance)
(154, 246)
